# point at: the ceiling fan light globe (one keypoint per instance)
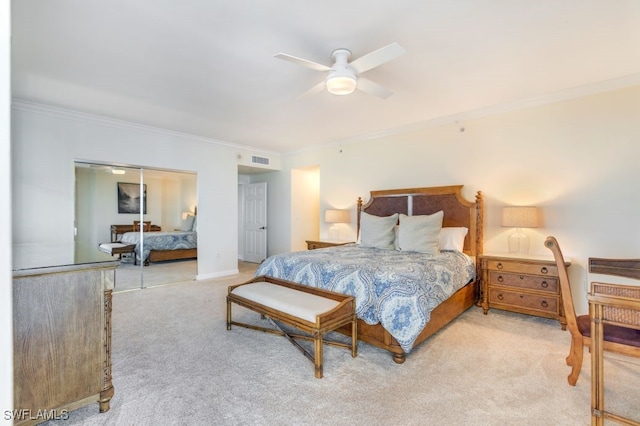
(341, 84)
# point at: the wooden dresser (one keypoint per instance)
(62, 337)
(312, 245)
(524, 284)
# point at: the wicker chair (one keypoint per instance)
(617, 338)
(609, 304)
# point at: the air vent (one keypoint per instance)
(259, 160)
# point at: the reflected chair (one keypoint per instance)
(146, 226)
(616, 338)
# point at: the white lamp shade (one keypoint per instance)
(337, 216)
(520, 217)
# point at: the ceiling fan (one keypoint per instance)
(343, 77)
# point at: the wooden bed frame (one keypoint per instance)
(160, 255)
(457, 212)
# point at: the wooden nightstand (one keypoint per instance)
(524, 284)
(312, 245)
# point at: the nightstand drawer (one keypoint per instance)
(532, 282)
(524, 268)
(526, 301)
(312, 245)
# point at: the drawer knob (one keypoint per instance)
(544, 304)
(500, 279)
(544, 270)
(499, 265)
(522, 296)
(544, 284)
(500, 296)
(521, 277)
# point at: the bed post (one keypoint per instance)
(479, 243)
(358, 210)
(479, 224)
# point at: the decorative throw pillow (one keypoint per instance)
(377, 231)
(395, 237)
(420, 233)
(452, 238)
(187, 224)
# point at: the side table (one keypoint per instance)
(523, 284)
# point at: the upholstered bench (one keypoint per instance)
(117, 248)
(309, 309)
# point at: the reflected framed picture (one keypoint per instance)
(129, 197)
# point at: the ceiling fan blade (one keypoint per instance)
(372, 88)
(377, 57)
(303, 62)
(314, 90)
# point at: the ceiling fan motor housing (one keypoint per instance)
(341, 80)
(341, 56)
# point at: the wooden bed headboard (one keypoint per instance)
(629, 268)
(421, 201)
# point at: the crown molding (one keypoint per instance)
(44, 109)
(559, 96)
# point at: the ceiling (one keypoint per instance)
(207, 67)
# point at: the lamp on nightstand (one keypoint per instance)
(335, 217)
(519, 217)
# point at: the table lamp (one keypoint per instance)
(519, 217)
(336, 217)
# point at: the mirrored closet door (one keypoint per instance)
(136, 213)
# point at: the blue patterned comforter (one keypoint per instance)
(397, 289)
(161, 241)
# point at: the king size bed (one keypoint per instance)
(413, 271)
(160, 246)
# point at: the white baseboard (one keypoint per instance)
(217, 274)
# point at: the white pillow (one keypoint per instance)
(187, 224)
(452, 238)
(420, 233)
(395, 237)
(377, 231)
(194, 228)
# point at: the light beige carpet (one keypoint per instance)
(133, 277)
(174, 362)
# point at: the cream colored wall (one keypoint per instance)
(305, 207)
(188, 195)
(170, 204)
(577, 159)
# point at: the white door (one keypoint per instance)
(255, 222)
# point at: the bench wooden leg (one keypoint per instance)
(228, 314)
(354, 338)
(317, 360)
